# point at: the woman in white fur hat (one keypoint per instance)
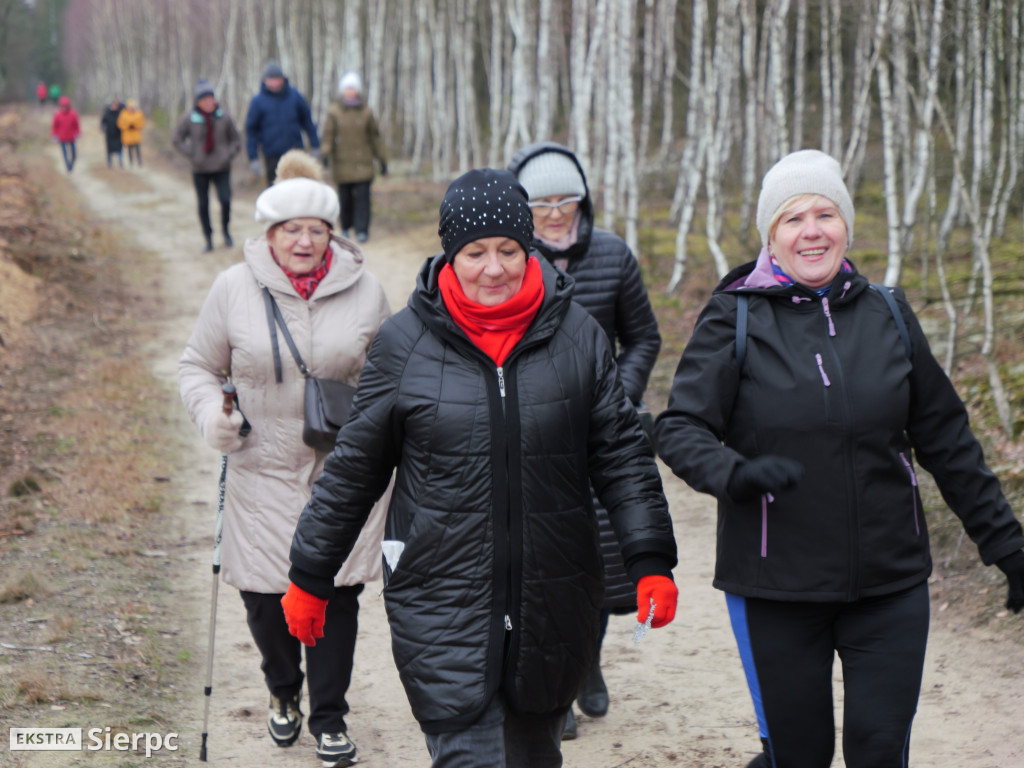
(332, 307)
(800, 402)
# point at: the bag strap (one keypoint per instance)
(274, 317)
(742, 300)
(896, 315)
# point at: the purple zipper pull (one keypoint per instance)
(821, 370)
(828, 314)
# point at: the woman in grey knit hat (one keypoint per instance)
(608, 284)
(800, 403)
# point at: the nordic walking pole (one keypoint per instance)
(228, 390)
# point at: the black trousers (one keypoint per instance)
(328, 663)
(135, 154)
(222, 183)
(788, 650)
(355, 206)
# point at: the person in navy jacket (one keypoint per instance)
(278, 116)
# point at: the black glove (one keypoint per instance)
(383, 168)
(1013, 567)
(765, 474)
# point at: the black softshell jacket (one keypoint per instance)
(829, 384)
(500, 580)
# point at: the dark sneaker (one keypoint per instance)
(227, 240)
(335, 750)
(285, 720)
(362, 237)
(569, 731)
(593, 696)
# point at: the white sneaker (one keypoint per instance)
(285, 720)
(336, 750)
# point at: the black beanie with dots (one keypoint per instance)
(484, 203)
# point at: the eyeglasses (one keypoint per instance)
(565, 206)
(316, 234)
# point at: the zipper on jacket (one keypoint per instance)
(821, 370)
(913, 486)
(766, 499)
(508, 533)
(828, 316)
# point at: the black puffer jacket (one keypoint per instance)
(608, 285)
(829, 384)
(500, 579)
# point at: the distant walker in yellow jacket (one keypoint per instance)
(130, 121)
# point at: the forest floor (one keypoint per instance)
(109, 499)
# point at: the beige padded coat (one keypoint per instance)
(269, 480)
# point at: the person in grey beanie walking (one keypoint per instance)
(208, 137)
(610, 287)
(801, 402)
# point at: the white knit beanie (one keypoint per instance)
(551, 173)
(350, 80)
(297, 199)
(807, 172)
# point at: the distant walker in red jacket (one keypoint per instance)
(65, 129)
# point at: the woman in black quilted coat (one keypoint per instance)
(498, 401)
(610, 287)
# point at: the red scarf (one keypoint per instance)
(496, 330)
(208, 117)
(304, 285)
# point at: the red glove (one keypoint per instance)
(305, 614)
(663, 591)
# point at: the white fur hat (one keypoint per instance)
(806, 172)
(297, 198)
(350, 80)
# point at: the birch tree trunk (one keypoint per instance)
(691, 165)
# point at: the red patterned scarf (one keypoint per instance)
(304, 285)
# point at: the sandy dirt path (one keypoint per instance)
(678, 699)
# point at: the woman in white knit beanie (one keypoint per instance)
(332, 308)
(800, 402)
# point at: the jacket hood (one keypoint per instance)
(586, 228)
(428, 305)
(276, 94)
(757, 277)
(347, 265)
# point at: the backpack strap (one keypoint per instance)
(742, 300)
(886, 293)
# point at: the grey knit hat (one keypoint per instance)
(551, 173)
(203, 88)
(807, 172)
(273, 69)
(484, 203)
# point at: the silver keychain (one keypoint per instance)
(641, 627)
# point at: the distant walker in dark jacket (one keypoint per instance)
(352, 141)
(278, 116)
(496, 398)
(807, 439)
(208, 137)
(111, 131)
(609, 286)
